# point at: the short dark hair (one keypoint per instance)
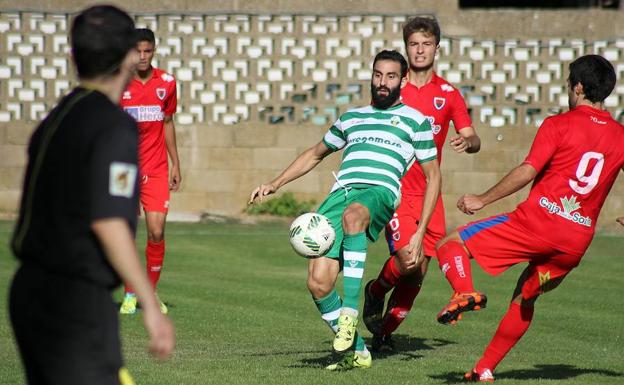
(428, 25)
(101, 37)
(145, 34)
(394, 56)
(596, 74)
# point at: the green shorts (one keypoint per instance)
(378, 199)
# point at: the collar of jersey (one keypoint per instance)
(390, 108)
(592, 110)
(148, 80)
(434, 80)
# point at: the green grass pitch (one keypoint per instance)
(243, 315)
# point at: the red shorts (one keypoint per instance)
(404, 224)
(155, 193)
(499, 242)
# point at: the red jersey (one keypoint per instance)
(440, 103)
(148, 104)
(578, 155)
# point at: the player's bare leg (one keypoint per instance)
(510, 330)
(322, 275)
(454, 260)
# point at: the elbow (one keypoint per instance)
(527, 173)
(434, 176)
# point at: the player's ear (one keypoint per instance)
(404, 81)
(578, 89)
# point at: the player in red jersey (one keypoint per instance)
(151, 100)
(441, 103)
(573, 162)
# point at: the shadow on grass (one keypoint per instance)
(543, 372)
(405, 348)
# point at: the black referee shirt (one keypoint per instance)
(82, 167)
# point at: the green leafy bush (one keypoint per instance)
(285, 205)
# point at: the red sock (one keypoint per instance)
(387, 279)
(401, 303)
(154, 253)
(455, 265)
(511, 328)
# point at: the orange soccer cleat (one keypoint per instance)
(459, 303)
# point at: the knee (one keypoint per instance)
(406, 264)
(355, 217)
(155, 235)
(452, 236)
(406, 268)
(319, 288)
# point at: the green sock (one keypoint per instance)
(329, 307)
(354, 254)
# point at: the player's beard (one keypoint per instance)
(384, 102)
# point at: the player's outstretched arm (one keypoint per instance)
(116, 238)
(300, 166)
(432, 173)
(175, 177)
(512, 182)
(467, 141)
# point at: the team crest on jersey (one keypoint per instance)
(439, 103)
(126, 95)
(161, 93)
(395, 120)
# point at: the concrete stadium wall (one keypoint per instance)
(499, 23)
(222, 163)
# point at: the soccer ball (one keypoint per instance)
(312, 235)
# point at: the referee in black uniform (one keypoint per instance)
(74, 236)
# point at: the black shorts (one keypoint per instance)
(66, 329)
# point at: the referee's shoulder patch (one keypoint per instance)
(122, 178)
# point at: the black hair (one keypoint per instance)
(145, 34)
(428, 25)
(394, 56)
(101, 37)
(596, 74)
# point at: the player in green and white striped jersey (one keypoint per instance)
(380, 142)
(379, 145)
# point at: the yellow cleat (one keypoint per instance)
(163, 307)
(345, 335)
(352, 360)
(129, 304)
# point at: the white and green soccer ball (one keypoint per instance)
(312, 235)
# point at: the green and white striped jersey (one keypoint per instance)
(379, 145)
